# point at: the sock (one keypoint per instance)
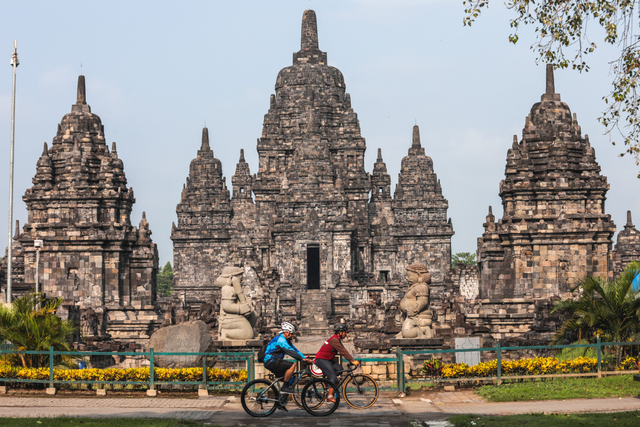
(290, 383)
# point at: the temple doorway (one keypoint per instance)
(313, 267)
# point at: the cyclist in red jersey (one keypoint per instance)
(325, 358)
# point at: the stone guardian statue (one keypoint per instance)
(417, 324)
(237, 317)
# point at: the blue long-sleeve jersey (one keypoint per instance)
(278, 347)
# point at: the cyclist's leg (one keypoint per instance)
(289, 373)
(283, 369)
(329, 371)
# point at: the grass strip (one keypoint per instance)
(95, 422)
(562, 389)
(619, 419)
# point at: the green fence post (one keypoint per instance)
(599, 357)
(400, 371)
(151, 379)
(499, 360)
(252, 366)
(204, 372)
(51, 367)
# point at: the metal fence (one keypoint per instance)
(605, 364)
(603, 351)
(242, 360)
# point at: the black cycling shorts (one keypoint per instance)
(278, 366)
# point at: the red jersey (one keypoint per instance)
(331, 347)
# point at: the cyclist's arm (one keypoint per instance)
(335, 343)
(288, 349)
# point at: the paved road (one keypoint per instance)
(227, 411)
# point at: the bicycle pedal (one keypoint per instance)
(282, 408)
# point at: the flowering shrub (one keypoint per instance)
(130, 374)
(432, 367)
(534, 366)
(628, 364)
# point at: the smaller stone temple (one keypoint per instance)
(554, 230)
(92, 256)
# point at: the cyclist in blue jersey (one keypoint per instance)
(274, 356)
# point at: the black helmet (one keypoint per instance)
(340, 327)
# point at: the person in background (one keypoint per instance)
(326, 356)
(274, 356)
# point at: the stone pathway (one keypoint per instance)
(227, 410)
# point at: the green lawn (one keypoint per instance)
(562, 388)
(94, 422)
(620, 419)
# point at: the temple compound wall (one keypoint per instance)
(324, 238)
(92, 256)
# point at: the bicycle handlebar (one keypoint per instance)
(352, 367)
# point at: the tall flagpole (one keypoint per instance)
(14, 64)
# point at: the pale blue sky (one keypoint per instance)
(156, 71)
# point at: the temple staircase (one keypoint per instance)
(315, 308)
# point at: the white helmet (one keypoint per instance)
(288, 327)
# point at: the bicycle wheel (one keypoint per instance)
(360, 391)
(314, 397)
(297, 399)
(259, 398)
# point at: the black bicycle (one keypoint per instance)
(360, 391)
(261, 397)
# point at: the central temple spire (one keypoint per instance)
(309, 52)
(205, 140)
(416, 137)
(81, 105)
(82, 91)
(309, 39)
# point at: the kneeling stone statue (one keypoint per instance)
(415, 304)
(237, 318)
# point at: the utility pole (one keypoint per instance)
(14, 64)
(38, 245)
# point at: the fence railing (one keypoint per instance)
(247, 360)
(499, 350)
(142, 358)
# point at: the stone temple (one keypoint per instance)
(92, 256)
(321, 239)
(554, 230)
(321, 235)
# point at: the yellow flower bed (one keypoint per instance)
(534, 366)
(130, 374)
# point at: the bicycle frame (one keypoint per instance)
(298, 374)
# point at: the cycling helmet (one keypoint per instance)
(340, 327)
(288, 327)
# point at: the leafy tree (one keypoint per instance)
(562, 31)
(165, 280)
(605, 308)
(463, 258)
(30, 328)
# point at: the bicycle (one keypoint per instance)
(261, 397)
(360, 391)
